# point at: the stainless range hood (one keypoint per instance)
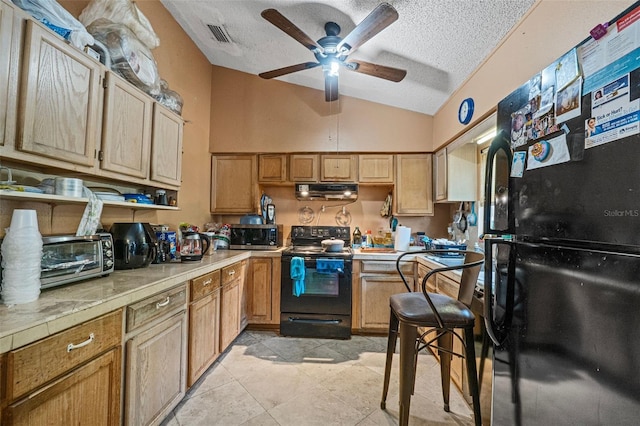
(326, 191)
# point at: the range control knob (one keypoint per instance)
(106, 244)
(108, 253)
(109, 263)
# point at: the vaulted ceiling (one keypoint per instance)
(438, 42)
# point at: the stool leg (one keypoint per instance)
(483, 356)
(446, 342)
(408, 336)
(470, 356)
(391, 348)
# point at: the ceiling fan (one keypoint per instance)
(332, 51)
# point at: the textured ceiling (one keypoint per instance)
(439, 42)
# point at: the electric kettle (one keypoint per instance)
(191, 246)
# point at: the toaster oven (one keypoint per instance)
(69, 258)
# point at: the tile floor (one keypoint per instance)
(266, 379)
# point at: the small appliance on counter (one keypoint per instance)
(255, 237)
(193, 245)
(134, 244)
(70, 258)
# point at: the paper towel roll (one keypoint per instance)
(403, 238)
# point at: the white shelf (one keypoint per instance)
(59, 199)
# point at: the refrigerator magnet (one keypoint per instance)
(517, 165)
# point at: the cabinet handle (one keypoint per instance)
(71, 346)
(207, 282)
(232, 272)
(163, 304)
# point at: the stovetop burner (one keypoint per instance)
(307, 241)
(316, 251)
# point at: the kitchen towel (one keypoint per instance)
(403, 238)
(297, 275)
(329, 266)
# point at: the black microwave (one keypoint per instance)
(255, 237)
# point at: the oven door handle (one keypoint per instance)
(314, 321)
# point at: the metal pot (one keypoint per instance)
(332, 245)
(251, 219)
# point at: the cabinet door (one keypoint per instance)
(440, 174)
(375, 168)
(204, 335)
(259, 288)
(272, 168)
(89, 395)
(156, 371)
(60, 99)
(126, 136)
(229, 313)
(303, 168)
(375, 291)
(338, 168)
(6, 58)
(233, 183)
(166, 146)
(414, 191)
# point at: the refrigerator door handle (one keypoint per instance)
(497, 333)
(496, 197)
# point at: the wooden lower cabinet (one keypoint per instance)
(204, 325)
(72, 377)
(89, 395)
(263, 290)
(156, 371)
(231, 303)
(156, 356)
(376, 283)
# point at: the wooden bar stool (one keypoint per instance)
(442, 315)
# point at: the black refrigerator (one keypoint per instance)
(562, 238)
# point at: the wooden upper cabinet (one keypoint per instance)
(375, 168)
(6, 58)
(413, 188)
(338, 168)
(233, 180)
(60, 99)
(303, 167)
(166, 146)
(457, 178)
(272, 168)
(440, 174)
(126, 136)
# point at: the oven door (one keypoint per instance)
(323, 288)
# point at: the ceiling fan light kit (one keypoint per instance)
(331, 51)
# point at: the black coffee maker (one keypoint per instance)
(134, 245)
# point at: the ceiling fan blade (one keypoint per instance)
(288, 70)
(375, 70)
(278, 19)
(330, 88)
(379, 19)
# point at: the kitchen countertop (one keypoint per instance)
(62, 307)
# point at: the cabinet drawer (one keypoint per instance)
(233, 272)
(204, 285)
(156, 306)
(36, 364)
(447, 286)
(387, 267)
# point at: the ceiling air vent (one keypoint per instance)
(219, 33)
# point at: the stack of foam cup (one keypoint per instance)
(21, 257)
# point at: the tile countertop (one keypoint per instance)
(62, 307)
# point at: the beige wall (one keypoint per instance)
(249, 114)
(550, 29)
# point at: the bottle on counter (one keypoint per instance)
(356, 240)
(368, 239)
